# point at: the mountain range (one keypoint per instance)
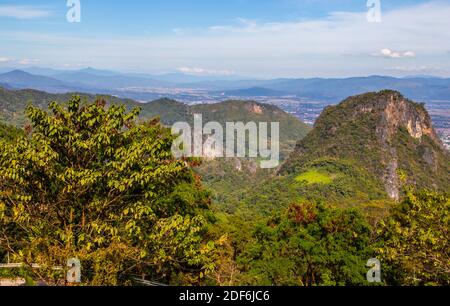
(419, 88)
(22, 79)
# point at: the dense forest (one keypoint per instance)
(91, 179)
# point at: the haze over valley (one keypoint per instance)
(303, 98)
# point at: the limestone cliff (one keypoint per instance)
(385, 133)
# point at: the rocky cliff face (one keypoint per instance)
(396, 112)
(385, 133)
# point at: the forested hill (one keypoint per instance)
(384, 133)
(14, 102)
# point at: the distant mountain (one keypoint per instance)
(87, 80)
(99, 72)
(108, 81)
(224, 85)
(254, 92)
(174, 77)
(49, 72)
(333, 90)
(419, 88)
(22, 80)
(99, 78)
(19, 78)
(421, 76)
(185, 79)
(388, 136)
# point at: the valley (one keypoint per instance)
(303, 98)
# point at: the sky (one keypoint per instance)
(253, 38)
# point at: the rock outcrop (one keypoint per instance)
(387, 134)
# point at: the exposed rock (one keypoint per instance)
(255, 108)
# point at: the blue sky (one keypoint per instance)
(265, 38)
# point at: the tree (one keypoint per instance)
(309, 244)
(89, 182)
(415, 245)
(8, 132)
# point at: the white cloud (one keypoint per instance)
(202, 71)
(341, 44)
(24, 61)
(396, 54)
(28, 61)
(22, 12)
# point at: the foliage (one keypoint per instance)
(230, 178)
(308, 244)
(350, 186)
(9, 133)
(313, 177)
(90, 183)
(221, 175)
(415, 242)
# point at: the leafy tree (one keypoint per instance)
(91, 183)
(415, 242)
(8, 132)
(309, 244)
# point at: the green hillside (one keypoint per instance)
(14, 102)
(361, 153)
(222, 176)
(384, 133)
(291, 128)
